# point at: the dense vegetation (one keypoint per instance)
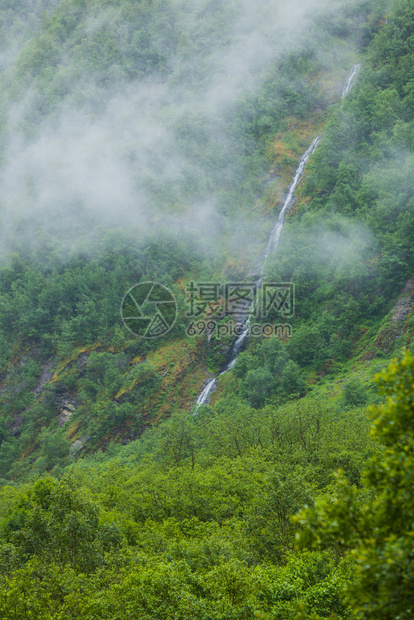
(194, 520)
(115, 501)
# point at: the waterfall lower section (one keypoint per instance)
(212, 384)
(272, 245)
(205, 394)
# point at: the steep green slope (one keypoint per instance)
(128, 155)
(348, 245)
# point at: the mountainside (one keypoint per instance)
(63, 343)
(154, 144)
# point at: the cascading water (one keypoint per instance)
(350, 80)
(272, 245)
(274, 238)
(205, 394)
(277, 229)
(204, 397)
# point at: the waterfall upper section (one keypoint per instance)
(277, 229)
(350, 80)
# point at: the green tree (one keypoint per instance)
(58, 522)
(354, 393)
(257, 386)
(55, 448)
(374, 524)
(292, 382)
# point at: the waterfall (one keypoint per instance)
(274, 238)
(272, 245)
(275, 234)
(350, 80)
(205, 394)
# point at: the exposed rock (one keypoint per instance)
(77, 446)
(404, 302)
(63, 399)
(82, 362)
(66, 413)
(387, 337)
(130, 436)
(369, 355)
(46, 375)
(3, 383)
(14, 423)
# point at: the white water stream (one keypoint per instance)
(277, 229)
(272, 245)
(350, 80)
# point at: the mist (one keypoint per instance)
(329, 253)
(87, 144)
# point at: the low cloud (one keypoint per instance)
(131, 154)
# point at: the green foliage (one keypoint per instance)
(77, 302)
(194, 517)
(269, 371)
(257, 385)
(374, 524)
(354, 393)
(57, 522)
(55, 448)
(292, 381)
